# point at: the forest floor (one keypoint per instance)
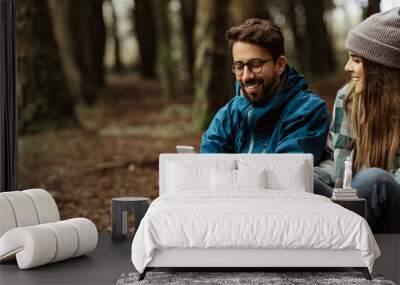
(115, 151)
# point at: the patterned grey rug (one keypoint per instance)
(269, 278)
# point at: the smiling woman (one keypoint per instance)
(366, 121)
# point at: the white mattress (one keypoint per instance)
(253, 218)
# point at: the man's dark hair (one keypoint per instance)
(260, 32)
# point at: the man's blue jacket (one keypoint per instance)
(294, 120)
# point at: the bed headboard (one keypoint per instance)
(285, 168)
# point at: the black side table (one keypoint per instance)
(119, 214)
(358, 205)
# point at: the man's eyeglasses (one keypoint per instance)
(254, 65)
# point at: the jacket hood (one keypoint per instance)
(293, 83)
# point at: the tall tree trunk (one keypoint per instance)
(246, 9)
(297, 21)
(59, 11)
(80, 35)
(211, 66)
(43, 98)
(372, 8)
(89, 31)
(146, 35)
(166, 66)
(188, 12)
(98, 40)
(319, 42)
(117, 52)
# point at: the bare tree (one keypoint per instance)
(297, 21)
(319, 43)
(89, 34)
(61, 17)
(98, 40)
(43, 98)
(146, 34)
(211, 65)
(188, 14)
(80, 34)
(165, 63)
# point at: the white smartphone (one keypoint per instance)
(185, 149)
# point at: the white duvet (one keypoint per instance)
(253, 218)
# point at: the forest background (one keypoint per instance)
(105, 86)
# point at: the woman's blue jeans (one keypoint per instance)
(382, 194)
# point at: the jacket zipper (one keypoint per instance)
(249, 115)
(265, 148)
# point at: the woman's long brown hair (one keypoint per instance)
(375, 117)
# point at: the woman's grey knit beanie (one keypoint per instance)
(377, 38)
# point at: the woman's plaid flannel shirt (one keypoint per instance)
(342, 138)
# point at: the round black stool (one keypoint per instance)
(119, 214)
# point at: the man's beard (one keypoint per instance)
(268, 90)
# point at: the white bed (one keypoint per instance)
(266, 216)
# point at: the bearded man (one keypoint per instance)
(273, 111)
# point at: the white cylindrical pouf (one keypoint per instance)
(23, 208)
(7, 218)
(45, 205)
(67, 239)
(87, 234)
(40, 244)
(34, 245)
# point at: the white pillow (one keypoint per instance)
(237, 179)
(223, 179)
(193, 174)
(294, 179)
(183, 178)
(251, 179)
(281, 174)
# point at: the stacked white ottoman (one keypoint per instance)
(31, 230)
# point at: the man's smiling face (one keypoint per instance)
(257, 85)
